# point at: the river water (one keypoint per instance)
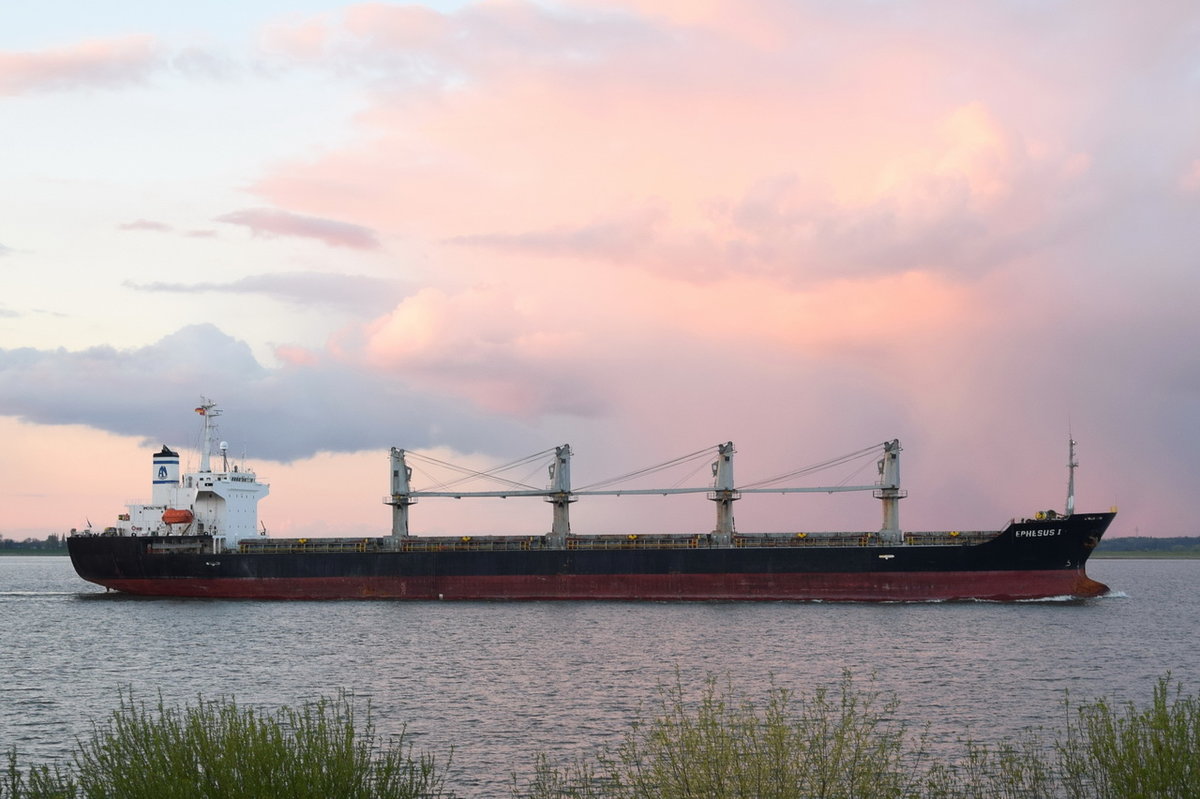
(499, 682)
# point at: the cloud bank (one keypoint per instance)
(282, 414)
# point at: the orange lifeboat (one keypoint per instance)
(175, 516)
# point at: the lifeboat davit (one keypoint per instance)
(176, 516)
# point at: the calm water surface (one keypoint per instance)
(501, 681)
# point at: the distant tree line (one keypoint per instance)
(51, 543)
(1181, 545)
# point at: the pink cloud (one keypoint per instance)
(269, 223)
(619, 238)
(396, 27)
(697, 152)
(488, 344)
(687, 149)
(302, 40)
(146, 224)
(296, 356)
(92, 64)
(1190, 181)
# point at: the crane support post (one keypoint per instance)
(889, 491)
(724, 494)
(560, 497)
(401, 493)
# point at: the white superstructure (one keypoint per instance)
(223, 504)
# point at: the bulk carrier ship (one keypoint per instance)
(199, 536)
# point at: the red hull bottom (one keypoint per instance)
(845, 587)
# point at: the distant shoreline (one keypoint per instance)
(1147, 547)
(1146, 555)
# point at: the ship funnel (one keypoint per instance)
(165, 476)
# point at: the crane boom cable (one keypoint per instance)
(696, 459)
(707, 451)
(828, 464)
(473, 474)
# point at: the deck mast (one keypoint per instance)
(209, 410)
(1072, 465)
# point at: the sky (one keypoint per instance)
(478, 230)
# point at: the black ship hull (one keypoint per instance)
(1029, 559)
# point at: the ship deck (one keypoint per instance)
(498, 543)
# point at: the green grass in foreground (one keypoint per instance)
(836, 742)
(220, 750)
